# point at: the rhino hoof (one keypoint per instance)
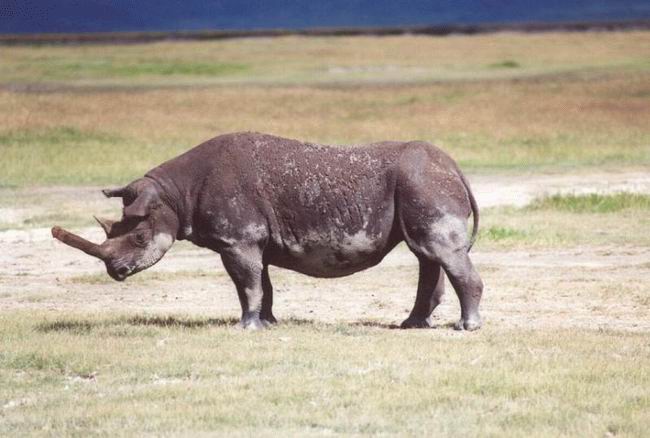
(469, 325)
(270, 319)
(253, 324)
(415, 323)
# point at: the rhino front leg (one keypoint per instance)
(431, 287)
(244, 265)
(266, 315)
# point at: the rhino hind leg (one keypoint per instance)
(443, 240)
(266, 314)
(244, 265)
(431, 287)
(469, 288)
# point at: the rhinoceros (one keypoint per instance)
(324, 211)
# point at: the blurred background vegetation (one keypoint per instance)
(90, 114)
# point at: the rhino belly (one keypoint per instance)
(331, 255)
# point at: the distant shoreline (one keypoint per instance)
(435, 30)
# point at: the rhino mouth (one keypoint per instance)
(120, 273)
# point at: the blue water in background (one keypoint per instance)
(34, 16)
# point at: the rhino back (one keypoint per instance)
(330, 209)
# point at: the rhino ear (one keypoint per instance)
(142, 205)
(115, 193)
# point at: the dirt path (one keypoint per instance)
(519, 190)
(579, 287)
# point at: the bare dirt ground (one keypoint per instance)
(583, 287)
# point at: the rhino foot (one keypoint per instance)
(469, 324)
(253, 324)
(413, 323)
(268, 319)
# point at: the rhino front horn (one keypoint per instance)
(78, 242)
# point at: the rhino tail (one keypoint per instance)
(475, 215)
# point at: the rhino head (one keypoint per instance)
(141, 238)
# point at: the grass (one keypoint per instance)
(75, 374)
(62, 155)
(569, 219)
(593, 203)
(509, 63)
(106, 114)
(99, 68)
(117, 136)
(317, 60)
(102, 114)
(150, 277)
(25, 209)
(496, 233)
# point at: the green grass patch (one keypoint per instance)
(69, 155)
(96, 68)
(593, 203)
(40, 220)
(561, 220)
(168, 374)
(59, 135)
(499, 234)
(508, 63)
(565, 150)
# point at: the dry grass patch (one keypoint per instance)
(133, 374)
(569, 219)
(293, 59)
(152, 278)
(27, 208)
(113, 137)
(593, 203)
(588, 107)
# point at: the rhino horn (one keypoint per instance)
(106, 224)
(79, 242)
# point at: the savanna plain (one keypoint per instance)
(553, 131)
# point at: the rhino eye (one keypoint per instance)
(140, 239)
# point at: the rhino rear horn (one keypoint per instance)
(106, 224)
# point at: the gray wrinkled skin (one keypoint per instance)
(324, 211)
